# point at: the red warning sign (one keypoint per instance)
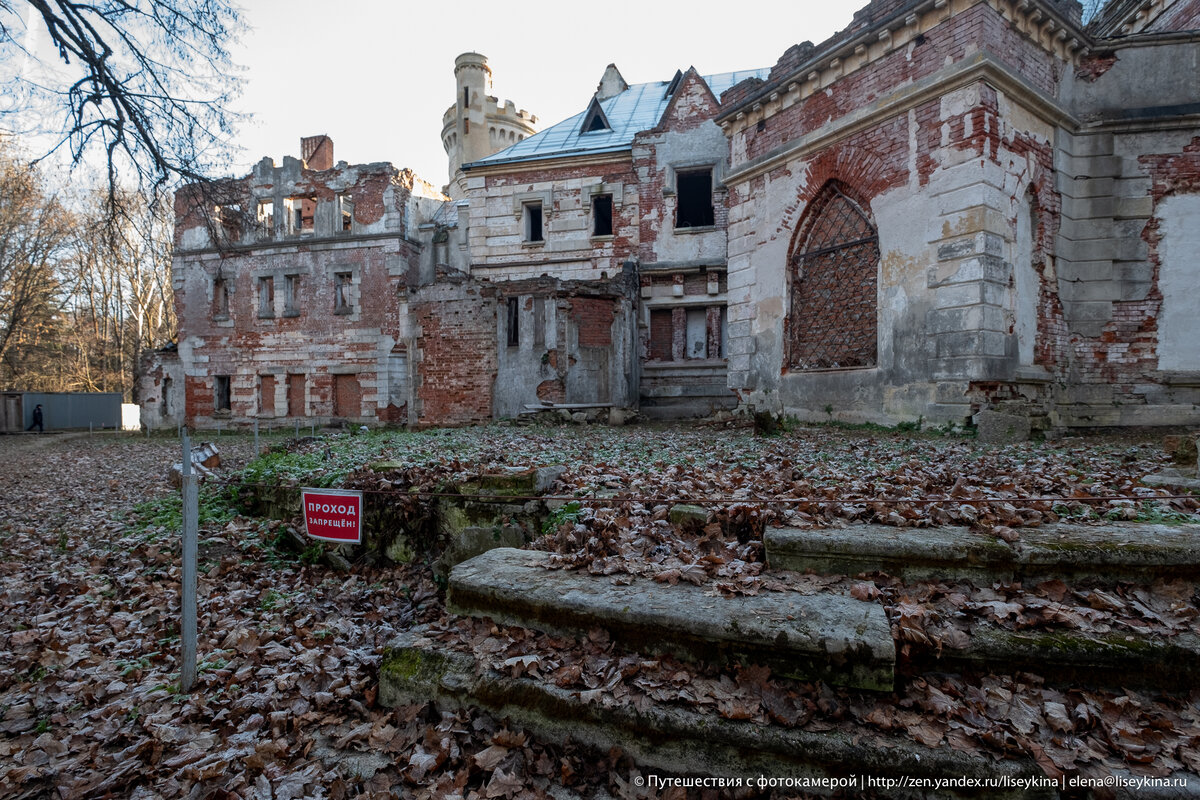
(334, 515)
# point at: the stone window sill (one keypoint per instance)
(697, 229)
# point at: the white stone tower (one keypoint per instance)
(477, 125)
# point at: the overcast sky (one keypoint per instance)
(377, 75)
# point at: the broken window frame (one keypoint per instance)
(265, 218)
(345, 214)
(229, 222)
(222, 393)
(533, 222)
(602, 221)
(691, 211)
(342, 283)
(512, 330)
(296, 218)
(266, 297)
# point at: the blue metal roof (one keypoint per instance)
(636, 109)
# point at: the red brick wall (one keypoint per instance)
(295, 395)
(458, 355)
(347, 396)
(198, 394)
(978, 27)
(594, 318)
(266, 395)
(660, 335)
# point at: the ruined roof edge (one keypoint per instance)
(847, 40)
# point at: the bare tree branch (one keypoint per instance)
(144, 84)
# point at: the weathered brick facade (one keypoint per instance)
(950, 205)
(1013, 189)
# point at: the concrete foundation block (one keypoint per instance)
(996, 427)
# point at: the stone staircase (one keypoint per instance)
(828, 636)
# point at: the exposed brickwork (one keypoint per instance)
(300, 331)
(458, 353)
(976, 27)
(266, 395)
(833, 285)
(594, 316)
(1093, 65)
(661, 328)
(347, 396)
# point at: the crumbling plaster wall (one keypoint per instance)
(160, 390)
(1118, 174)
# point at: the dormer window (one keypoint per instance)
(595, 120)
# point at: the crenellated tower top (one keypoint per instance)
(478, 124)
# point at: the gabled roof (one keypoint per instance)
(636, 109)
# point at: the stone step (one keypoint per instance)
(838, 639)
(665, 738)
(1109, 553)
(1118, 659)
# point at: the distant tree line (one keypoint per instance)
(85, 281)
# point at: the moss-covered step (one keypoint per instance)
(669, 739)
(838, 639)
(1074, 658)
(1115, 552)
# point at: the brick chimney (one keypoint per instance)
(317, 151)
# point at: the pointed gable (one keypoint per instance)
(691, 102)
(611, 83)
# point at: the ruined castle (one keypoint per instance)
(948, 207)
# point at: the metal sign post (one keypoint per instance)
(191, 510)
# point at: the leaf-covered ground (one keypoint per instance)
(284, 706)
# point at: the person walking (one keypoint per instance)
(37, 419)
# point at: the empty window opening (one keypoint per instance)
(693, 190)
(229, 218)
(291, 295)
(833, 319)
(341, 292)
(266, 218)
(466, 96)
(602, 213)
(346, 212)
(220, 298)
(221, 393)
(165, 407)
(301, 214)
(533, 222)
(514, 322)
(266, 297)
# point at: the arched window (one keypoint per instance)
(833, 276)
